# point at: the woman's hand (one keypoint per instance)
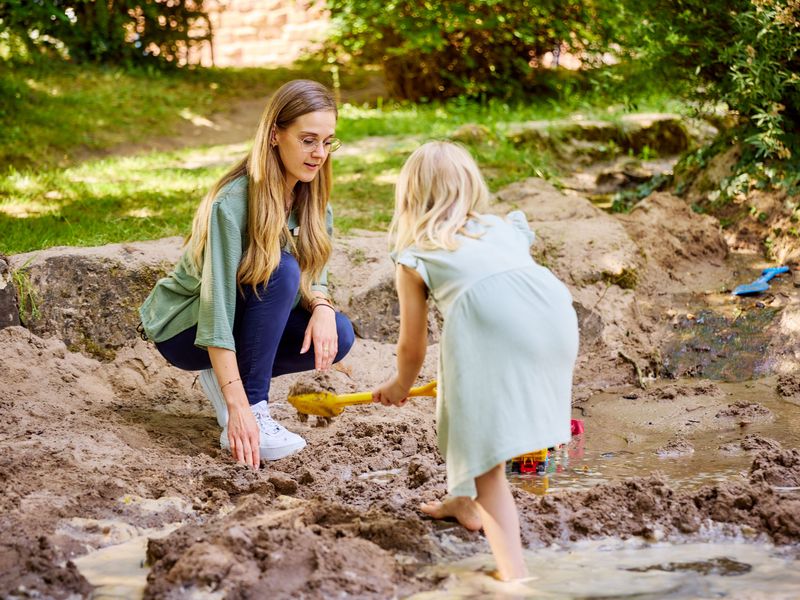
(243, 434)
(391, 392)
(322, 332)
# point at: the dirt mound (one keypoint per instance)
(777, 467)
(680, 245)
(751, 443)
(650, 508)
(289, 547)
(789, 386)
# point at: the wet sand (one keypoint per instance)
(131, 442)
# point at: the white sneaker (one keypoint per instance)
(274, 440)
(210, 385)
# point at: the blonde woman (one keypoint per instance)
(508, 345)
(248, 299)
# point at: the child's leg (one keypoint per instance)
(501, 522)
(461, 508)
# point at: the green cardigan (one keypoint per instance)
(208, 298)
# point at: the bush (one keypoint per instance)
(745, 53)
(454, 48)
(123, 32)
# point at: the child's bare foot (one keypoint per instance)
(461, 508)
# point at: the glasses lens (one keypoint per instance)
(333, 144)
(309, 144)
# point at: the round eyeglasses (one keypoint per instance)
(310, 144)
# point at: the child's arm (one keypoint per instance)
(413, 341)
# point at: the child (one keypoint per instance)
(508, 345)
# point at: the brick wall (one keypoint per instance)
(249, 33)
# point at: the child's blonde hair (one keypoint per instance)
(439, 188)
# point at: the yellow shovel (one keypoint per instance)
(327, 404)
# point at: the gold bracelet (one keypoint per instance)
(230, 382)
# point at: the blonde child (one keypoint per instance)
(508, 345)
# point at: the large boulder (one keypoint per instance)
(659, 133)
(88, 297)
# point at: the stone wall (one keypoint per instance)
(250, 33)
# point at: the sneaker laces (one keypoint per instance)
(267, 424)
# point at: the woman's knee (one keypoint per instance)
(287, 272)
(285, 279)
(344, 330)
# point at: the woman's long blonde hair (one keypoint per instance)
(267, 232)
(439, 188)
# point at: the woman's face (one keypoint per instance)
(300, 164)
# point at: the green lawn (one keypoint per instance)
(154, 195)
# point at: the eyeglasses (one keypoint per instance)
(310, 144)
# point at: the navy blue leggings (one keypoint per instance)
(268, 333)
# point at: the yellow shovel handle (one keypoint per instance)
(429, 389)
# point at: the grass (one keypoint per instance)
(50, 110)
(154, 195)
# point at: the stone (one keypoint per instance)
(661, 133)
(9, 304)
(89, 297)
(472, 133)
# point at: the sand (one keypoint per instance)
(96, 452)
(87, 444)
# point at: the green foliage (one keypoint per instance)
(122, 32)
(745, 53)
(476, 48)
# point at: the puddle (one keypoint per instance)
(631, 569)
(723, 337)
(603, 453)
(716, 346)
(119, 571)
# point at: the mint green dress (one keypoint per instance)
(507, 349)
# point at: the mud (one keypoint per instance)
(96, 453)
(130, 445)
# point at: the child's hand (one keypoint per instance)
(390, 392)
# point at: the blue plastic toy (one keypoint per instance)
(761, 284)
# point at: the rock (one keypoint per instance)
(89, 297)
(9, 305)
(472, 133)
(663, 134)
(552, 131)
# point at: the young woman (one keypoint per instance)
(248, 299)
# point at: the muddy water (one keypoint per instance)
(605, 453)
(634, 569)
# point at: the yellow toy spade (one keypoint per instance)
(327, 404)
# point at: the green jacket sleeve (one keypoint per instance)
(223, 253)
